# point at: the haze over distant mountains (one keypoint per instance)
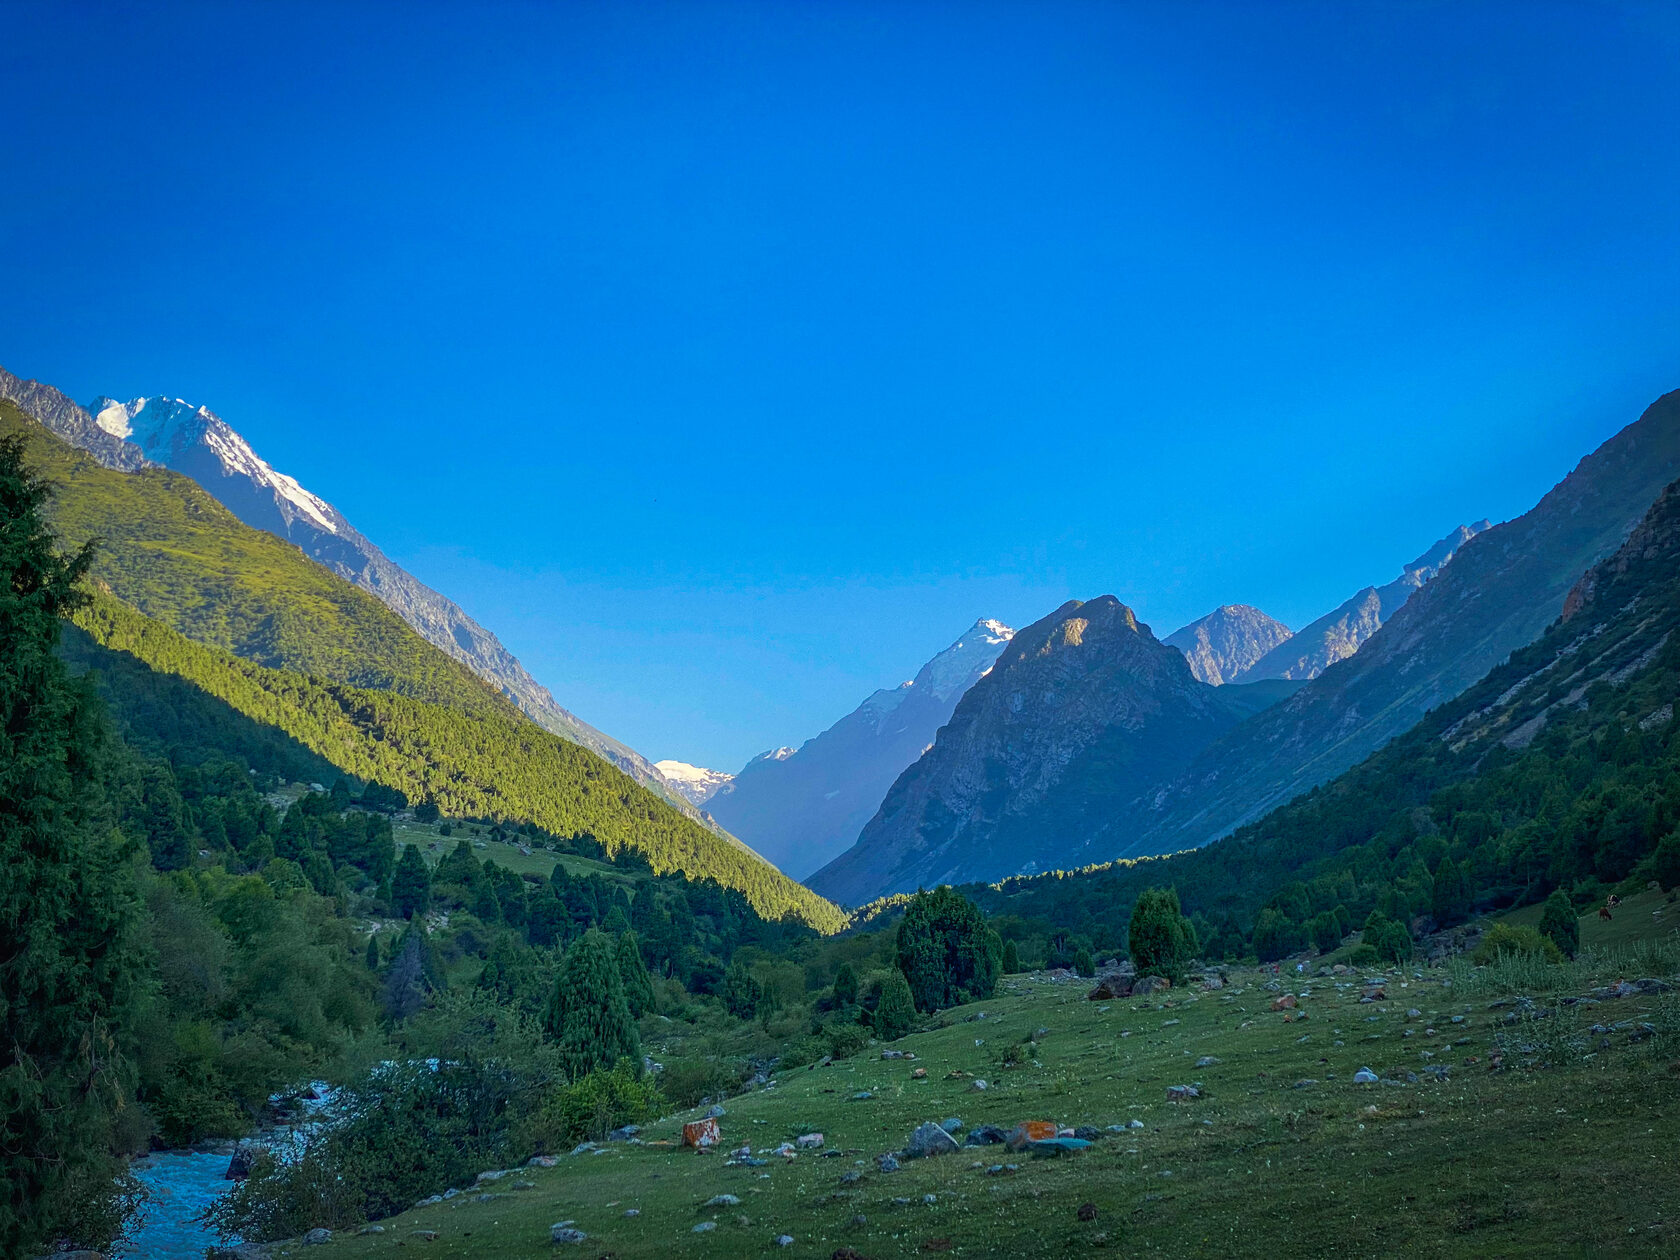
(799, 808)
(1092, 740)
(195, 441)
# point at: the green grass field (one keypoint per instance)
(1639, 917)
(537, 862)
(1577, 1158)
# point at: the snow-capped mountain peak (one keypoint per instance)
(966, 661)
(168, 429)
(695, 784)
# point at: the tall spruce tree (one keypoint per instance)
(411, 886)
(1559, 922)
(1159, 937)
(68, 962)
(633, 973)
(588, 1015)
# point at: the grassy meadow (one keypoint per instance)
(1569, 1148)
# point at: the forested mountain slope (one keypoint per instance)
(484, 764)
(195, 441)
(193, 591)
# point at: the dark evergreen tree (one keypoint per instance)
(1082, 962)
(411, 885)
(946, 951)
(372, 957)
(67, 963)
(1160, 938)
(1011, 958)
(741, 992)
(633, 972)
(845, 986)
(895, 1011)
(1450, 897)
(1559, 922)
(587, 1015)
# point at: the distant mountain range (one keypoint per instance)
(193, 440)
(1237, 643)
(801, 807)
(1091, 740)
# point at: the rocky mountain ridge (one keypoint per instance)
(1222, 645)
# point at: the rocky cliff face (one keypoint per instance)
(800, 808)
(195, 441)
(1503, 587)
(1082, 710)
(1226, 642)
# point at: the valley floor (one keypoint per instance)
(1570, 1148)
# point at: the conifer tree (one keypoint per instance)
(946, 951)
(1559, 922)
(411, 886)
(1011, 958)
(633, 972)
(1159, 937)
(67, 964)
(373, 951)
(845, 986)
(588, 1016)
(896, 1009)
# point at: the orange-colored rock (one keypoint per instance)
(920, 1074)
(1284, 1003)
(701, 1133)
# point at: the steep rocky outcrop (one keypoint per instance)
(1227, 641)
(1503, 587)
(1082, 710)
(802, 807)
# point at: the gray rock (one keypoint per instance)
(565, 1233)
(716, 1111)
(887, 1163)
(1208, 1060)
(722, 1201)
(240, 1163)
(929, 1139)
(704, 1227)
(316, 1237)
(987, 1135)
(784, 1240)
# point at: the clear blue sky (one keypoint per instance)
(730, 359)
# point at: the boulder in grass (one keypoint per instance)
(810, 1141)
(1150, 984)
(701, 1134)
(1285, 1002)
(1110, 986)
(987, 1135)
(1030, 1131)
(929, 1140)
(1182, 1093)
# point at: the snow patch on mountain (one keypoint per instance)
(695, 784)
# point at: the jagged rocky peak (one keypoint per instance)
(1227, 641)
(695, 784)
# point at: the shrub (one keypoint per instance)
(590, 1108)
(845, 1040)
(1082, 963)
(1364, 955)
(1011, 959)
(1504, 940)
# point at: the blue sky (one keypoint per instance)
(729, 359)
